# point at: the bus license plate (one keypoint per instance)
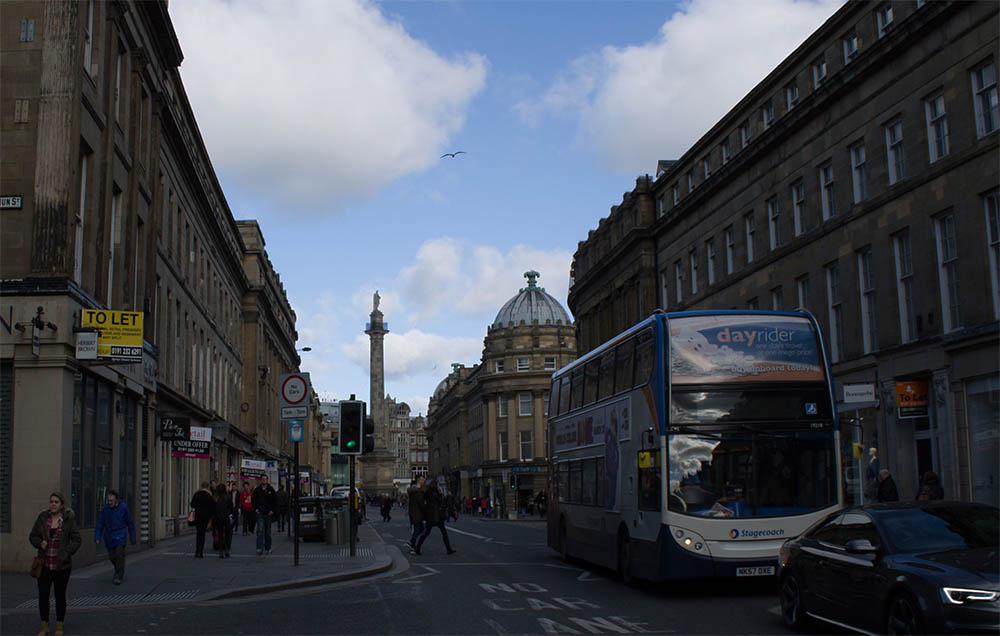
(764, 570)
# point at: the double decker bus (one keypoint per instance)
(693, 445)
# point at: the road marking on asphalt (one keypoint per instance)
(411, 579)
(118, 599)
(468, 534)
(587, 575)
(776, 610)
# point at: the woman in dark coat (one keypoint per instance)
(434, 516)
(203, 505)
(930, 487)
(222, 520)
(56, 536)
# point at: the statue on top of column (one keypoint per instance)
(375, 300)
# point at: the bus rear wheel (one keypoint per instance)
(625, 559)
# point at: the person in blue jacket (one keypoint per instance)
(114, 520)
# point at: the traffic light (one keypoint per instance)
(513, 482)
(352, 413)
(368, 435)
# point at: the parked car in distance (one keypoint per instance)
(922, 567)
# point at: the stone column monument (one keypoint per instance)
(377, 471)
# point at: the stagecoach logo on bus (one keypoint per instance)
(743, 348)
(745, 533)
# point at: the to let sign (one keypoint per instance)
(912, 398)
(119, 333)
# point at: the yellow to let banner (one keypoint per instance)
(120, 332)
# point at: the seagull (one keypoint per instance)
(452, 154)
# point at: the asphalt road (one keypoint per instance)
(503, 580)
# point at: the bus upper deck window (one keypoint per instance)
(623, 365)
(644, 357)
(591, 373)
(564, 394)
(576, 389)
(607, 382)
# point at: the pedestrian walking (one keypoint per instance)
(930, 487)
(386, 508)
(886, 487)
(56, 536)
(222, 520)
(114, 522)
(435, 514)
(265, 502)
(246, 508)
(415, 510)
(283, 506)
(203, 506)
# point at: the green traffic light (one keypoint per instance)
(351, 444)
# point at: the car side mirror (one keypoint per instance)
(860, 546)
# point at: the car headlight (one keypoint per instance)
(961, 596)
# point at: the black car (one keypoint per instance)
(900, 568)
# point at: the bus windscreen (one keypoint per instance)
(714, 349)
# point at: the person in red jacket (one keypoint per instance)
(246, 509)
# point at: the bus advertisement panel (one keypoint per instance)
(717, 349)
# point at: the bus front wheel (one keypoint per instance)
(625, 559)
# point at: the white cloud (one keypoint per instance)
(340, 99)
(638, 104)
(457, 278)
(415, 353)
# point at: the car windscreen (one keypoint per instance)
(937, 528)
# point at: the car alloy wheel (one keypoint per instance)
(903, 616)
(792, 613)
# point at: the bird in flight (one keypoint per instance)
(452, 154)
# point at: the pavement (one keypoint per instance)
(169, 572)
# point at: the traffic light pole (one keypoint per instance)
(295, 504)
(352, 503)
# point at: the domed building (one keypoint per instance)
(487, 424)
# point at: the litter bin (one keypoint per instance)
(332, 529)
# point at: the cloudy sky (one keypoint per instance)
(326, 122)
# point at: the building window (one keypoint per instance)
(524, 404)
(550, 363)
(502, 454)
(850, 47)
(88, 40)
(984, 88)
(791, 95)
(501, 406)
(119, 63)
(545, 403)
(819, 71)
(745, 133)
(80, 216)
(725, 151)
(866, 287)
(523, 364)
(498, 366)
(883, 18)
(798, 207)
(664, 288)
(947, 249)
(904, 286)
(676, 194)
(690, 180)
(730, 249)
(937, 127)
(710, 258)
(777, 299)
(990, 204)
(753, 304)
(859, 175)
(773, 225)
(835, 312)
(894, 149)
(767, 114)
(693, 266)
(750, 229)
(526, 450)
(661, 206)
(678, 282)
(706, 166)
(826, 190)
(802, 289)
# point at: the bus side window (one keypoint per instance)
(576, 389)
(607, 382)
(644, 357)
(592, 373)
(649, 479)
(564, 394)
(623, 365)
(575, 481)
(554, 399)
(589, 494)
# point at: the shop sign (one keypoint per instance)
(86, 345)
(854, 393)
(252, 468)
(196, 446)
(912, 398)
(119, 333)
(174, 428)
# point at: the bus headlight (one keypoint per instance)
(691, 541)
